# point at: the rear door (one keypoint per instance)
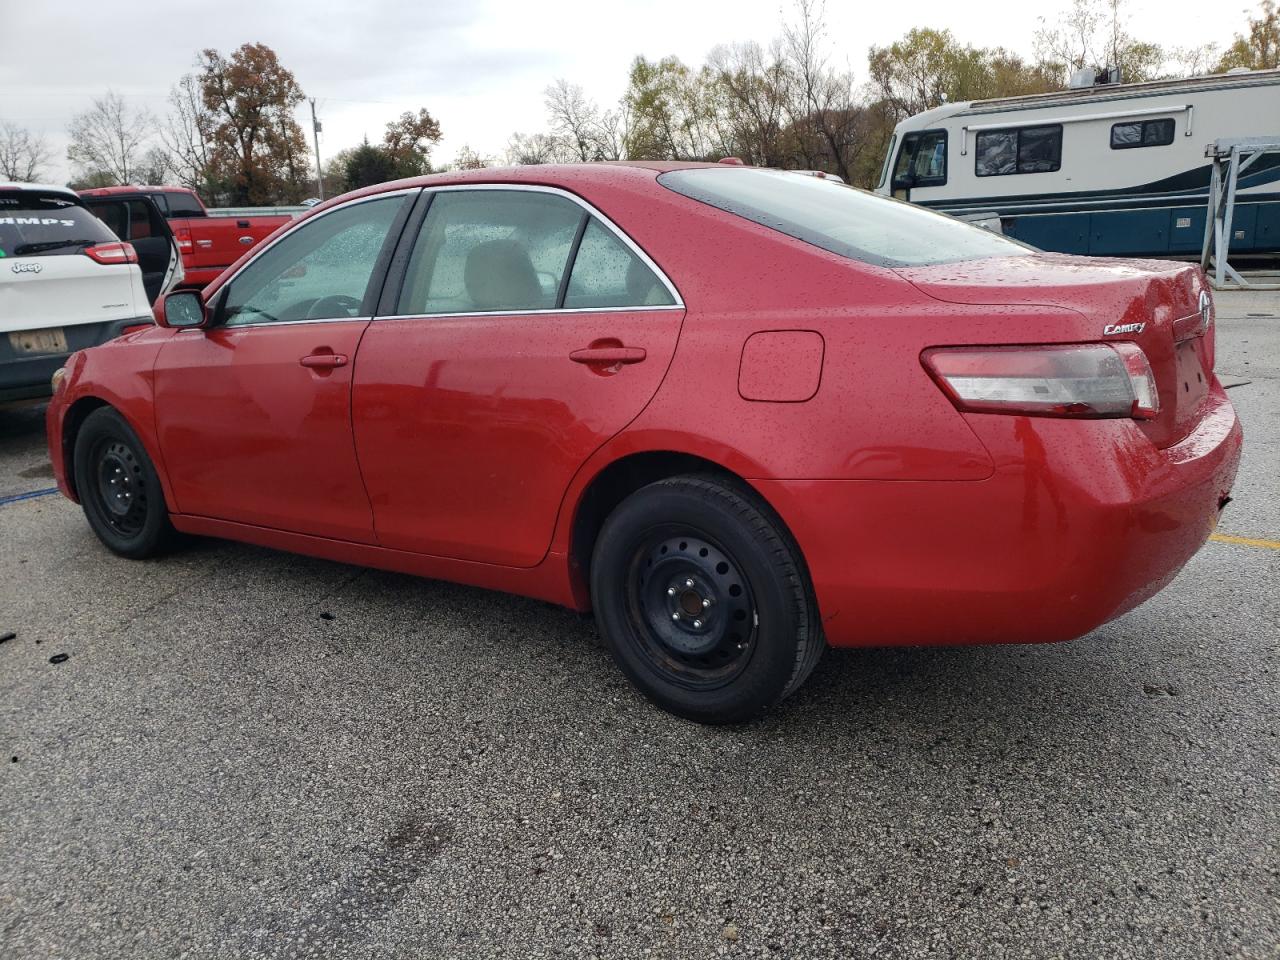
(526, 332)
(254, 413)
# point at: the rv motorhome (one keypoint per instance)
(1110, 170)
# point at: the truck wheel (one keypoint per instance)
(118, 487)
(702, 600)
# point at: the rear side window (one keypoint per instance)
(1019, 150)
(840, 219)
(34, 224)
(184, 205)
(490, 251)
(130, 219)
(607, 273)
(1142, 133)
(144, 221)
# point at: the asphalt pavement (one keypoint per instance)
(237, 753)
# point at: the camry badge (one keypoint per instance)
(27, 268)
(1111, 329)
(1206, 305)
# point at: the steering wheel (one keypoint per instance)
(335, 306)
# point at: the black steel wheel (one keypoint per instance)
(121, 487)
(692, 608)
(118, 487)
(703, 601)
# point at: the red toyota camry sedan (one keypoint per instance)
(740, 414)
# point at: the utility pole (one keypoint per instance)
(316, 127)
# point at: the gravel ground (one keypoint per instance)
(248, 754)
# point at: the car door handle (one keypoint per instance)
(324, 361)
(608, 355)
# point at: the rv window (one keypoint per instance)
(922, 160)
(1142, 133)
(1021, 150)
(888, 159)
(930, 167)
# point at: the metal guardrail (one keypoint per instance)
(255, 211)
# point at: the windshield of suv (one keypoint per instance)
(34, 224)
(840, 219)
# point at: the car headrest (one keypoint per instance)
(499, 276)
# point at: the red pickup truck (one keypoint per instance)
(209, 243)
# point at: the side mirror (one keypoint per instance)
(904, 181)
(182, 309)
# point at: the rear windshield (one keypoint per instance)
(841, 219)
(44, 225)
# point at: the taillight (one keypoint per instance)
(1054, 380)
(183, 236)
(112, 253)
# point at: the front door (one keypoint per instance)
(254, 413)
(527, 333)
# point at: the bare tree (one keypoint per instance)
(110, 137)
(1093, 33)
(534, 148)
(754, 89)
(575, 118)
(468, 159)
(23, 157)
(615, 132)
(186, 135)
(826, 110)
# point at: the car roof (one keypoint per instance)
(42, 187)
(132, 188)
(563, 175)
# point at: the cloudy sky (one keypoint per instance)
(479, 66)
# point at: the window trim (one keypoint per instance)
(1017, 149)
(1142, 133)
(393, 284)
(380, 265)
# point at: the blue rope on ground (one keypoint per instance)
(31, 495)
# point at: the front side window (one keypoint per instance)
(1019, 150)
(843, 220)
(320, 271)
(607, 273)
(490, 251)
(1142, 133)
(922, 161)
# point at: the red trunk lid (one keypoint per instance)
(1152, 303)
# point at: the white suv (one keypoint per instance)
(66, 282)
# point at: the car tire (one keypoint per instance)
(703, 600)
(119, 489)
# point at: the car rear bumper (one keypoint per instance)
(27, 376)
(1081, 521)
